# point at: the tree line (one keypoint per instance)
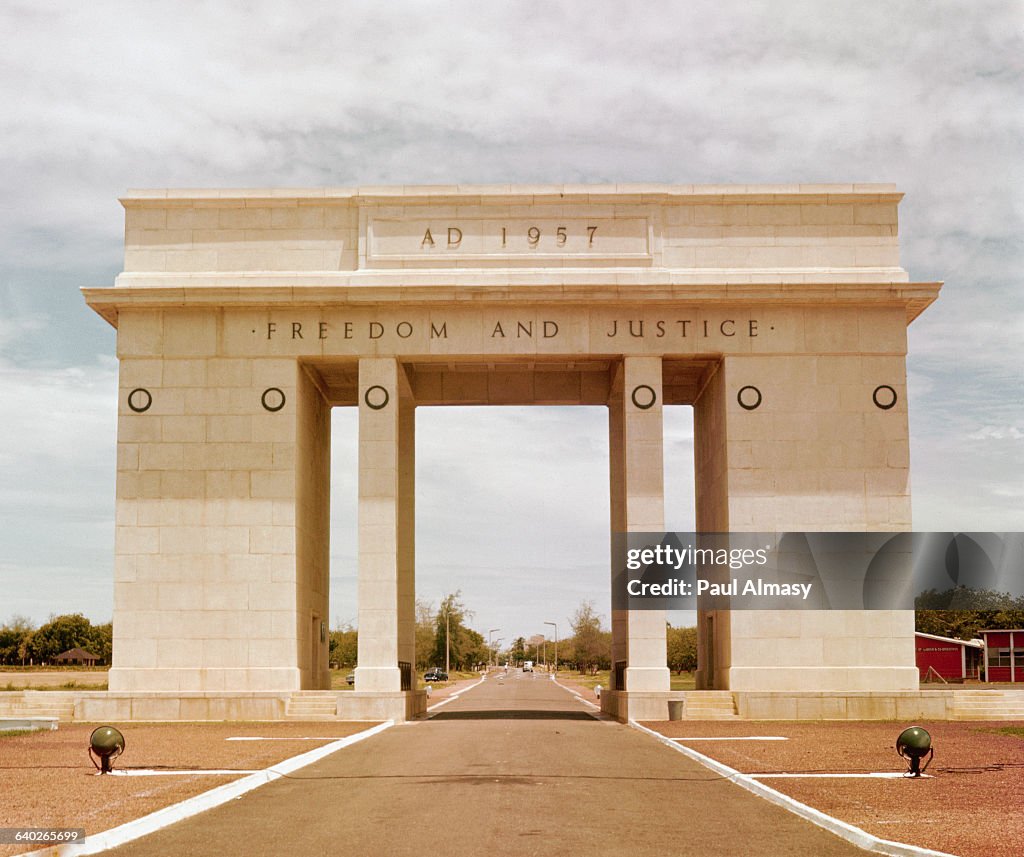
(958, 613)
(587, 649)
(437, 630)
(962, 613)
(23, 644)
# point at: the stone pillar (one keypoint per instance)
(638, 505)
(711, 483)
(386, 525)
(814, 443)
(213, 589)
(312, 531)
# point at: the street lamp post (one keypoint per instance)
(556, 642)
(490, 644)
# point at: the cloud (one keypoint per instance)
(997, 433)
(57, 495)
(101, 97)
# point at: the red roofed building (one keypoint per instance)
(947, 657)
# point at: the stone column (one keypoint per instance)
(386, 525)
(813, 443)
(711, 481)
(638, 505)
(221, 551)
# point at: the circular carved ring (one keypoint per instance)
(273, 399)
(887, 399)
(140, 400)
(749, 398)
(644, 397)
(376, 397)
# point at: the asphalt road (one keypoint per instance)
(513, 767)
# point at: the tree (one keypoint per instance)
(101, 642)
(60, 634)
(682, 648)
(14, 638)
(451, 636)
(517, 654)
(426, 635)
(962, 613)
(591, 645)
(475, 650)
(344, 646)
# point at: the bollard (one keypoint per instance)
(675, 709)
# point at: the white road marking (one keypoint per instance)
(843, 829)
(280, 738)
(97, 842)
(735, 738)
(574, 693)
(143, 772)
(880, 775)
(448, 699)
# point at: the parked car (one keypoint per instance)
(436, 674)
(350, 678)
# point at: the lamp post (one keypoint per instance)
(447, 640)
(556, 642)
(490, 644)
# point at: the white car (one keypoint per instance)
(527, 666)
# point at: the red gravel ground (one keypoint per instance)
(973, 807)
(47, 780)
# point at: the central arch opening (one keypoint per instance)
(512, 517)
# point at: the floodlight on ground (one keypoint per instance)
(106, 744)
(913, 745)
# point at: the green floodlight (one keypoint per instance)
(913, 745)
(107, 744)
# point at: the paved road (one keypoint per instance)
(512, 767)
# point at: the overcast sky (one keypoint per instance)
(100, 97)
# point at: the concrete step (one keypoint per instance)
(1014, 717)
(994, 704)
(33, 705)
(710, 705)
(989, 694)
(312, 705)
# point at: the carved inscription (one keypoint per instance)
(393, 239)
(533, 236)
(624, 328)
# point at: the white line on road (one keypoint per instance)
(448, 699)
(574, 693)
(280, 738)
(880, 775)
(145, 772)
(735, 738)
(155, 821)
(860, 838)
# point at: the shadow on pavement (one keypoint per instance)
(513, 714)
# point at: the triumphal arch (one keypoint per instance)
(244, 316)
